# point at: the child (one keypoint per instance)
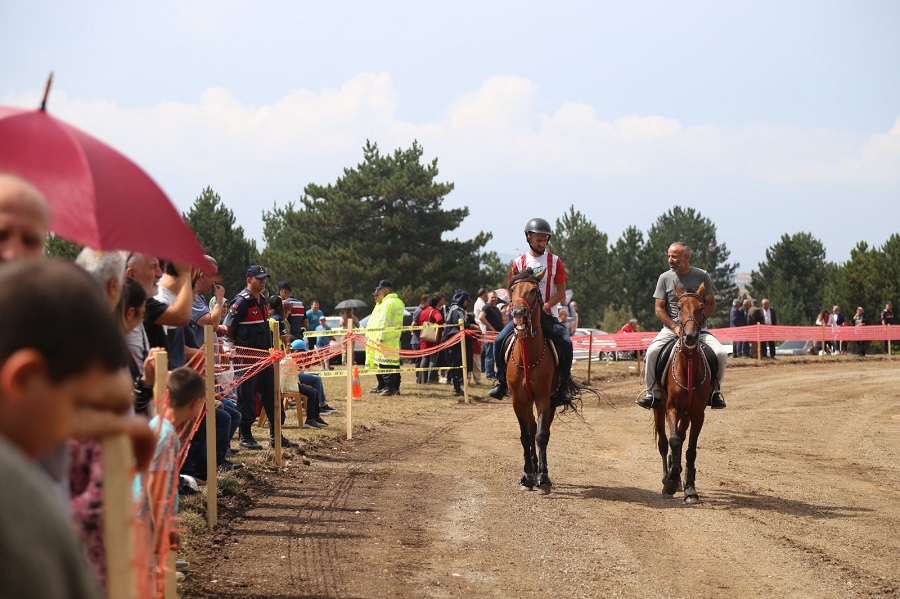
(158, 499)
(61, 351)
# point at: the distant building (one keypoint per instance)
(742, 279)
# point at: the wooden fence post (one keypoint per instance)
(212, 484)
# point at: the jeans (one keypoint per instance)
(490, 371)
(314, 381)
(565, 349)
(430, 362)
(195, 461)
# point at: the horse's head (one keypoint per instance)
(691, 315)
(525, 298)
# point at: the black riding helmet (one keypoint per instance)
(538, 225)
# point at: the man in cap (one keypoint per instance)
(388, 314)
(247, 322)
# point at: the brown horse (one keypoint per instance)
(532, 377)
(688, 383)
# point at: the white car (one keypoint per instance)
(601, 350)
(794, 348)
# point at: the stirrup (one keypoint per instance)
(717, 400)
(647, 401)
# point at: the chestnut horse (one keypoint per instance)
(531, 373)
(688, 383)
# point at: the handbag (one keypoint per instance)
(431, 333)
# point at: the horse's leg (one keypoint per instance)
(527, 427)
(672, 479)
(545, 419)
(690, 492)
(659, 417)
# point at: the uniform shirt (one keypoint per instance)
(556, 274)
(249, 318)
(296, 315)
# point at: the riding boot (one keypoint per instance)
(647, 400)
(716, 400)
(563, 393)
(498, 391)
(247, 440)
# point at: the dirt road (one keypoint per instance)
(799, 481)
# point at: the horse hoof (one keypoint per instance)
(691, 499)
(670, 487)
(526, 488)
(544, 489)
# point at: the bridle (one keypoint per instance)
(699, 323)
(533, 323)
(689, 350)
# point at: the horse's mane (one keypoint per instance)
(526, 274)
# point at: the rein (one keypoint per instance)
(688, 351)
(532, 330)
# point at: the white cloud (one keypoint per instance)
(496, 131)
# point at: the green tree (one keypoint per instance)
(381, 220)
(57, 247)
(585, 254)
(699, 233)
(793, 277)
(213, 225)
(632, 278)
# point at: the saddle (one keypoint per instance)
(665, 356)
(549, 333)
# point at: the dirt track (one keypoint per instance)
(799, 480)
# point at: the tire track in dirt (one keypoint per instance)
(799, 500)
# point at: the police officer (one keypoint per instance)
(247, 322)
(553, 291)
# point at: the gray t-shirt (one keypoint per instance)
(665, 287)
(41, 555)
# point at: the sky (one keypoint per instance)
(767, 117)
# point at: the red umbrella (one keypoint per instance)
(97, 196)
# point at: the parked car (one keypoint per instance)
(601, 350)
(794, 348)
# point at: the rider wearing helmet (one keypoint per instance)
(553, 291)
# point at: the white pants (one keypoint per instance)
(664, 335)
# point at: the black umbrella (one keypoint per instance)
(351, 303)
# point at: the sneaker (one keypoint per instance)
(227, 466)
(312, 424)
(179, 576)
(321, 422)
(181, 566)
(377, 389)
(325, 410)
(646, 401)
(390, 391)
(716, 400)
